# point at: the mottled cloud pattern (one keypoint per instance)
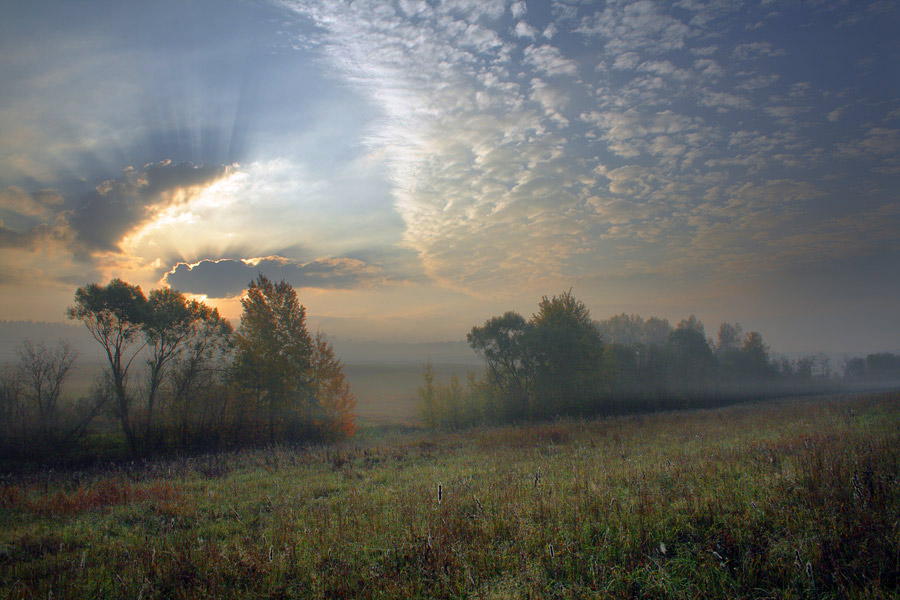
(601, 140)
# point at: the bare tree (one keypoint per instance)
(43, 372)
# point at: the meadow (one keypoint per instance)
(789, 498)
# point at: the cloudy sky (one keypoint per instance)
(415, 167)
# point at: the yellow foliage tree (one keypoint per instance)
(332, 391)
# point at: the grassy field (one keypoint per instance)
(794, 498)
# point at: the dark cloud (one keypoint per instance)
(10, 238)
(118, 206)
(35, 204)
(102, 217)
(43, 234)
(227, 277)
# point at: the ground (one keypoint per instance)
(790, 498)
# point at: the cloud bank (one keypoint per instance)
(227, 278)
(635, 133)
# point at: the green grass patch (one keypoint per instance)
(794, 498)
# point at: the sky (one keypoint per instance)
(416, 167)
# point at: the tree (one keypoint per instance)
(854, 368)
(729, 338)
(569, 354)
(331, 391)
(656, 331)
(11, 405)
(754, 358)
(553, 363)
(692, 358)
(44, 370)
(274, 353)
(623, 329)
(883, 366)
(427, 395)
(115, 315)
(168, 325)
(196, 371)
(504, 344)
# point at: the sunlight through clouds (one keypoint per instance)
(486, 151)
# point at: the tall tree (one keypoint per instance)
(504, 344)
(331, 390)
(570, 354)
(754, 357)
(114, 315)
(729, 339)
(274, 353)
(692, 359)
(198, 368)
(167, 326)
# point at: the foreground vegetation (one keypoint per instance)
(791, 498)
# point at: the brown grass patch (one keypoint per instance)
(100, 495)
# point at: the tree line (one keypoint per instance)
(561, 362)
(176, 375)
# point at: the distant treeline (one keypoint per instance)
(561, 362)
(176, 377)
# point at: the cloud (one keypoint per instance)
(512, 165)
(550, 60)
(36, 204)
(753, 50)
(878, 141)
(723, 101)
(664, 68)
(524, 30)
(640, 26)
(708, 67)
(226, 278)
(758, 82)
(627, 60)
(117, 207)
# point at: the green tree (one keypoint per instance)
(729, 339)
(114, 315)
(754, 360)
(505, 345)
(168, 325)
(569, 350)
(692, 359)
(274, 351)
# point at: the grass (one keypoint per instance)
(794, 498)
